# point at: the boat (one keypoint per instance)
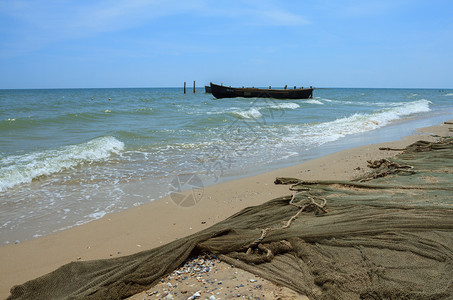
(207, 89)
(220, 91)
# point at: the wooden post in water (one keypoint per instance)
(194, 86)
(184, 87)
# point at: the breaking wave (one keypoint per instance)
(17, 169)
(318, 134)
(255, 112)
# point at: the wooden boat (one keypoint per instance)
(207, 89)
(220, 91)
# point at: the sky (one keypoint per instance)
(156, 43)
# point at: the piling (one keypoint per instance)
(194, 86)
(184, 87)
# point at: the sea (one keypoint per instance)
(70, 156)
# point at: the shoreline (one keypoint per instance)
(162, 221)
(72, 196)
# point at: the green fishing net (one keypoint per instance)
(387, 235)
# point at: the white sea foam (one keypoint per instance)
(314, 101)
(97, 215)
(252, 113)
(17, 169)
(319, 134)
(449, 94)
(255, 112)
(286, 105)
(288, 155)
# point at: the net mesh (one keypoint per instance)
(387, 235)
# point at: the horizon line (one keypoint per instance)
(200, 87)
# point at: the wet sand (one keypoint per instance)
(162, 221)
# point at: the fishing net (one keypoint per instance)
(387, 235)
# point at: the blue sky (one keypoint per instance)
(146, 43)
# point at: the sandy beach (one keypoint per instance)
(162, 221)
(323, 169)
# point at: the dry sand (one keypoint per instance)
(162, 221)
(206, 277)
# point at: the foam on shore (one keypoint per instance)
(17, 169)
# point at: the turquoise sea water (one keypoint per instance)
(68, 156)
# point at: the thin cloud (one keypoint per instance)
(43, 22)
(358, 8)
(81, 19)
(254, 13)
(280, 18)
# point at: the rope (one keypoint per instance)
(392, 167)
(391, 149)
(265, 231)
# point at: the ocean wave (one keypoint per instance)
(252, 113)
(286, 105)
(318, 134)
(449, 94)
(18, 169)
(145, 110)
(34, 121)
(314, 101)
(255, 112)
(324, 99)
